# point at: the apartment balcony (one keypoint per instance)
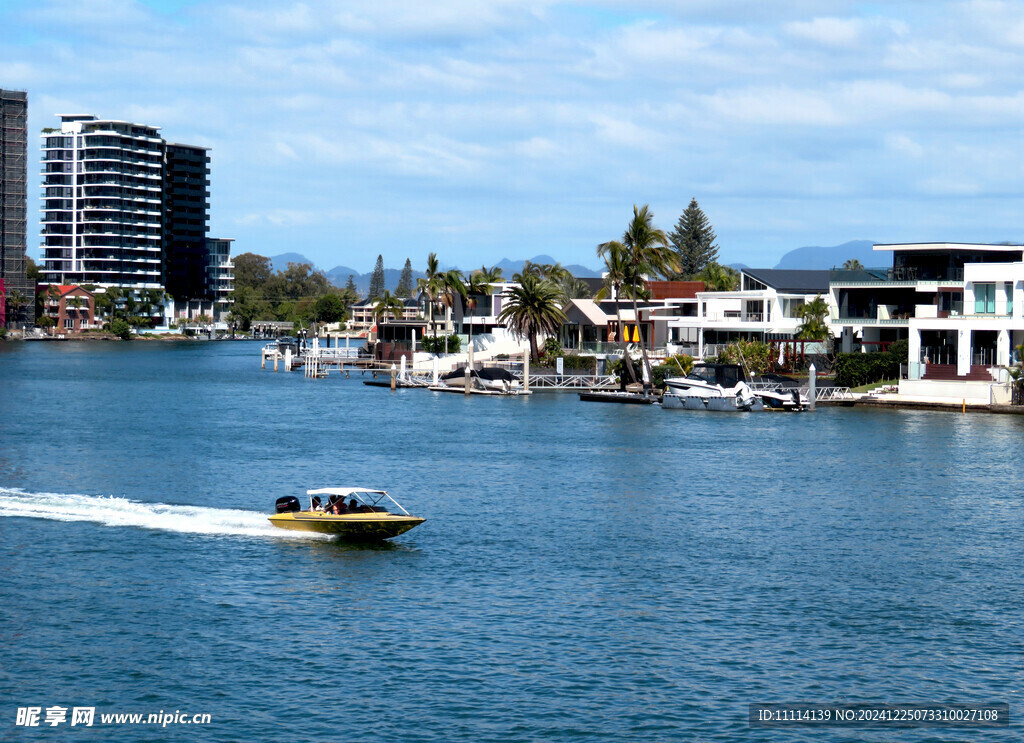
(895, 277)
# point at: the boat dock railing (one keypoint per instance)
(829, 394)
(573, 381)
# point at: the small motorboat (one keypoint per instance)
(351, 513)
(491, 378)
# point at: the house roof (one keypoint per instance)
(590, 310)
(792, 280)
(66, 289)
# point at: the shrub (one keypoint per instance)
(755, 355)
(575, 361)
(900, 350)
(618, 368)
(436, 343)
(121, 329)
(856, 369)
(552, 348)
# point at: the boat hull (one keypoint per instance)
(362, 526)
(719, 404)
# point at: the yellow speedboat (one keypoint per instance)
(351, 513)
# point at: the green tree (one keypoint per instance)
(16, 303)
(476, 286)
(531, 308)
(647, 253)
(249, 305)
(852, 265)
(618, 282)
(388, 304)
(694, 241)
(350, 286)
(719, 278)
(404, 288)
(492, 275)
(432, 285)
(574, 288)
(252, 270)
(454, 288)
(32, 271)
(814, 326)
(330, 308)
(377, 279)
(121, 329)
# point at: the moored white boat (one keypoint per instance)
(720, 387)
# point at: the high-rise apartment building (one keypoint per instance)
(17, 294)
(102, 207)
(186, 190)
(123, 207)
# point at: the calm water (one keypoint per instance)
(586, 572)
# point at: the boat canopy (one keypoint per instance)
(344, 492)
(357, 493)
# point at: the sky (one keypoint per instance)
(490, 129)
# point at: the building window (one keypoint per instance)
(984, 299)
(69, 324)
(1009, 298)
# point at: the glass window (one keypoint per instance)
(984, 299)
(1009, 298)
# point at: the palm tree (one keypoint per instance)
(617, 276)
(452, 287)
(17, 301)
(813, 327)
(853, 265)
(491, 275)
(719, 278)
(432, 284)
(476, 286)
(532, 307)
(387, 303)
(647, 252)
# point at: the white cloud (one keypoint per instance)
(841, 32)
(529, 114)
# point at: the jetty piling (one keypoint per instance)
(812, 383)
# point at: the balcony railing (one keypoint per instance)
(896, 276)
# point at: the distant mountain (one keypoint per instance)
(280, 262)
(510, 267)
(823, 258)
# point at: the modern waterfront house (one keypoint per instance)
(765, 308)
(959, 305)
(17, 293)
(123, 207)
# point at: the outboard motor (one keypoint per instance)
(796, 399)
(288, 504)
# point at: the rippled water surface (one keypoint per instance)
(586, 572)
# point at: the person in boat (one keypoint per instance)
(317, 504)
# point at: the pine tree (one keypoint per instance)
(694, 241)
(404, 288)
(377, 280)
(350, 286)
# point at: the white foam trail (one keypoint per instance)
(115, 511)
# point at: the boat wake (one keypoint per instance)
(115, 511)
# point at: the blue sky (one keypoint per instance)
(483, 129)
